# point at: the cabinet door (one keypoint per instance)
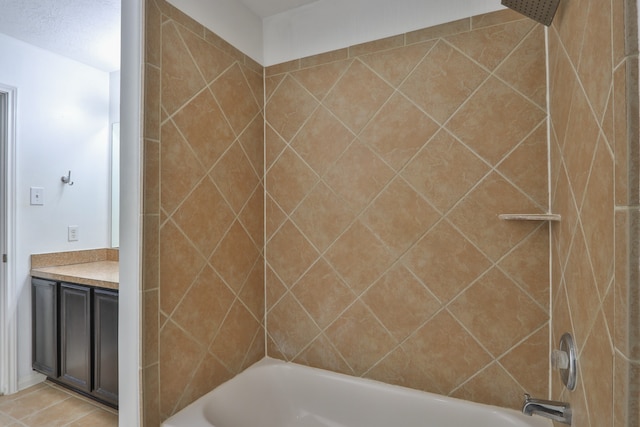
(44, 298)
(75, 336)
(105, 375)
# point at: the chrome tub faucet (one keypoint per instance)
(556, 411)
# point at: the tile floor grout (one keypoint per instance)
(48, 404)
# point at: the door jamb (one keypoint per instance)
(8, 296)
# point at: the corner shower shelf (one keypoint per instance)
(529, 217)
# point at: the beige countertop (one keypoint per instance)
(93, 268)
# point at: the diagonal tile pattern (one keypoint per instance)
(47, 404)
(374, 199)
(204, 208)
(383, 199)
(594, 121)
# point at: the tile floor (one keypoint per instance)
(49, 405)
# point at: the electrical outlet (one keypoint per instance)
(73, 233)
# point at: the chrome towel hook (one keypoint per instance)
(67, 179)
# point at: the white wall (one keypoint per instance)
(327, 25)
(62, 124)
(114, 189)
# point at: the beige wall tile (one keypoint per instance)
(301, 330)
(202, 123)
(360, 338)
(524, 66)
(494, 120)
(235, 96)
(399, 216)
(291, 254)
(528, 265)
(323, 294)
(589, 113)
(211, 61)
(494, 18)
(339, 273)
(476, 214)
(396, 64)
(444, 170)
(319, 80)
(522, 166)
(596, 369)
(151, 252)
(324, 58)
(206, 168)
(289, 180)
(235, 177)
(492, 386)
(181, 78)
(176, 366)
(459, 358)
(495, 300)
(359, 257)
(179, 264)
(152, 41)
(443, 81)
(237, 334)
(196, 222)
(358, 176)
(376, 46)
(289, 107)
(180, 169)
(446, 261)
(322, 216)
(596, 64)
(152, 102)
(398, 131)
(489, 46)
(357, 96)
(150, 328)
(401, 302)
(235, 256)
(528, 362)
(394, 214)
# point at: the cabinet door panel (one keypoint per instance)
(75, 336)
(105, 375)
(44, 298)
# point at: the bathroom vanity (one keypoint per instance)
(75, 322)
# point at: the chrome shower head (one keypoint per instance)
(538, 10)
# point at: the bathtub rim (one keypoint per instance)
(199, 404)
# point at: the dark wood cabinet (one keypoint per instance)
(105, 332)
(75, 337)
(44, 310)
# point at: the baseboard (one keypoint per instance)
(30, 380)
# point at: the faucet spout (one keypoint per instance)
(556, 411)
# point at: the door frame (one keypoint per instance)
(8, 294)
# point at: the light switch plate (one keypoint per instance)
(37, 196)
(73, 233)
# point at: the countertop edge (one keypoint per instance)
(82, 277)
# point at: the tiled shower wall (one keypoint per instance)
(387, 165)
(594, 147)
(203, 212)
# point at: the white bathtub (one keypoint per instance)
(273, 393)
